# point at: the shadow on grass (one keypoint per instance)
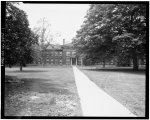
(122, 70)
(35, 85)
(28, 71)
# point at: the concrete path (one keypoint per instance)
(94, 101)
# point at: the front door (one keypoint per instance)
(73, 61)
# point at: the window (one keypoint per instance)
(47, 59)
(73, 53)
(67, 53)
(67, 59)
(60, 53)
(56, 61)
(111, 62)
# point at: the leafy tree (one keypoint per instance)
(112, 30)
(132, 36)
(18, 37)
(95, 35)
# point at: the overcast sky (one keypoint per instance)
(64, 18)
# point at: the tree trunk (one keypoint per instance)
(135, 62)
(43, 58)
(43, 61)
(20, 67)
(103, 63)
(43, 64)
(9, 66)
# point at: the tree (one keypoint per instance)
(95, 35)
(18, 37)
(132, 38)
(45, 37)
(112, 30)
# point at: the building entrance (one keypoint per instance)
(73, 61)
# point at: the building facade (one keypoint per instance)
(58, 55)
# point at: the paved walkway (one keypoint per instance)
(94, 101)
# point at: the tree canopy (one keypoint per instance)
(113, 30)
(18, 37)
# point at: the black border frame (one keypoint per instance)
(3, 3)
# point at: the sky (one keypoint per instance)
(65, 19)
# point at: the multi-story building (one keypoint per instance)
(59, 55)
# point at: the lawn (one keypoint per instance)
(37, 91)
(125, 85)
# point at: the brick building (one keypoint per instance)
(58, 55)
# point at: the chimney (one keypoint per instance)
(63, 41)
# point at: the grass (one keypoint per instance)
(38, 91)
(125, 85)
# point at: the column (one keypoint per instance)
(71, 61)
(76, 61)
(81, 61)
(139, 62)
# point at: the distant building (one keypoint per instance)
(58, 55)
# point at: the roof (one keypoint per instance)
(58, 47)
(55, 47)
(51, 46)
